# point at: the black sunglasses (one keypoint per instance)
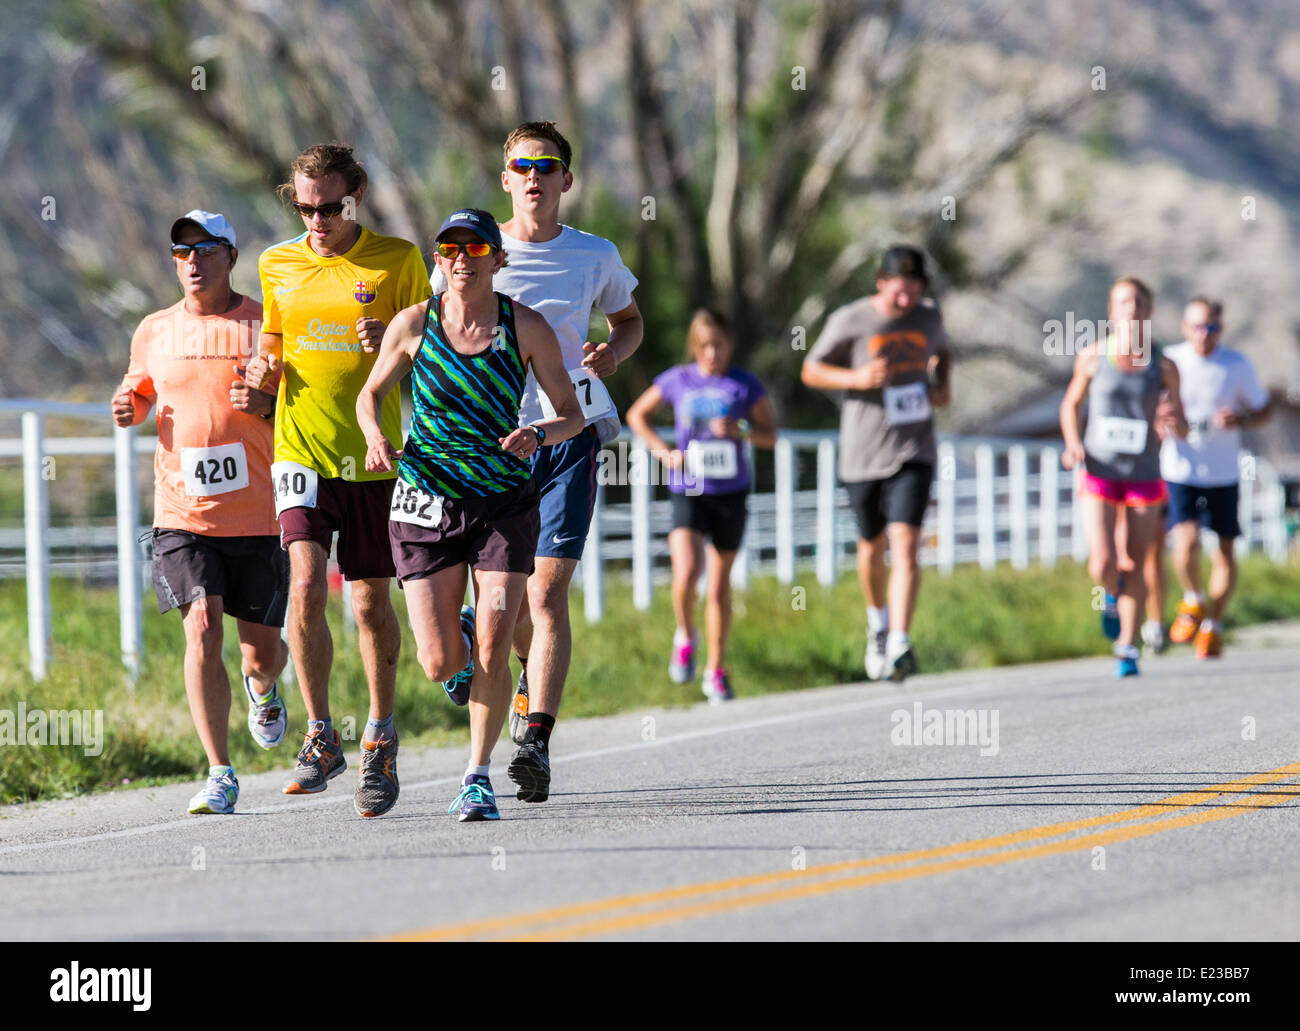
(203, 250)
(326, 210)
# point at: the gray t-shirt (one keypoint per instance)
(883, 428)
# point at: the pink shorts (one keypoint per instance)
(1134, 493)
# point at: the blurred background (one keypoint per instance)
(753, 155)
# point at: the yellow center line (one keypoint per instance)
(519, 922)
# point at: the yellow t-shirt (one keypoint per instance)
(314, 303)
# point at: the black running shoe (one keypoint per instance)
(531, 770)
(902, 666)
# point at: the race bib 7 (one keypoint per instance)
(593, 398)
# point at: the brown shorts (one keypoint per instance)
(497, 533)
(249, 574)
(358, 510)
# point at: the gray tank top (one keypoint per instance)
(1120, 442)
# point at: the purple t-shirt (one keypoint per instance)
(716, 465)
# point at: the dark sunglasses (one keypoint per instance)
(325, 210)
(203, 250)
(545, 165)
(472, 250)
(1208, 327)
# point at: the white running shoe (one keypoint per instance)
(219, 794)
(267, 720)
(876, 662)
(1153, 636)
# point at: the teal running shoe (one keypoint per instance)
(476, 800)
(457, 687)
(219, 794)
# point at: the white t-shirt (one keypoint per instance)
(563, 279)
(1223, 379)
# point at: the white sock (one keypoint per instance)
(680, 638)
(1193, 598)
(1126, 651)
(877, 619)
(1211, 624)
(897, 643)
(477, 771)
(1152, 624)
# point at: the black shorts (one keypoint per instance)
(1213, 507)
(497, 533)
(358, 510)
(901, 498)
(720, 517)
(249, 574)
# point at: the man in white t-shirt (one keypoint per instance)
(563, 274)
(1220, 394)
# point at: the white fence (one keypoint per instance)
(994, 500)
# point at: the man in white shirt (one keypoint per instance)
(1220, 394)
(563, 274)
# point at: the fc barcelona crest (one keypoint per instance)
(364, 292)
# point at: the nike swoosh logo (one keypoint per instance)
(557, 539)
(280, 291)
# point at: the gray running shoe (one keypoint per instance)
(319, 761)
(377, 787)
(267, 721)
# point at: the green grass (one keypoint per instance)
(784, 637)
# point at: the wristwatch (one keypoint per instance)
(541, 434)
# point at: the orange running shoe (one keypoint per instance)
(1209, 644)
(1185, 623)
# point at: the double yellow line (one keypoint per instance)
(632, 912)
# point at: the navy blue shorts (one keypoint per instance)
(1213, 507)
(565, 474)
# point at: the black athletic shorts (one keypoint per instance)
(720, 517)
(249, 574)
(901, 498)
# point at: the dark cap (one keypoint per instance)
(903, 260)
(479, 222)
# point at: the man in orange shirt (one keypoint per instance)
(215, 540)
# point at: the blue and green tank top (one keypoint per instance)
(462, 405)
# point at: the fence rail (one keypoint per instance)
(994, 500)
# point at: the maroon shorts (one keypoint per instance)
(497, 533)
(358, 510)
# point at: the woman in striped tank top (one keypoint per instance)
(1123, 379)
(464, 497)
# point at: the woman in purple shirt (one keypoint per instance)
(716, 408)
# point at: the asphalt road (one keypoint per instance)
(1166, 807)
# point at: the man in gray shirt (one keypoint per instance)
(888, 356)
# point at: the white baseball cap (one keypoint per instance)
(210, 222)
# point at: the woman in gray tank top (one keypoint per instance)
(1123, 378)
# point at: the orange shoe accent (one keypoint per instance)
(1209, 644)
(1186, 623)
(521, 705)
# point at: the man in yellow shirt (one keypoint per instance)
(328, 295)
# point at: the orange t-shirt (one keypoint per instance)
(212, 469)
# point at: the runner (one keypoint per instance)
(889, 354)
(1122, 380)
(563, 274)
(465, 496)
(1220, 395)
(716, 406)
(329, 295)
(215, 548)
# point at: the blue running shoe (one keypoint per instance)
(457, 687)
(476, 800)
(1126, 662)
(1110, 618)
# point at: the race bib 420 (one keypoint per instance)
(214, 470)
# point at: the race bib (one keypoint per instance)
(214, 470)
(1197, 431)
(295, 486)
(593, 398)
(907, 403)
(1123, 436)
(412, 505)
(711, 459)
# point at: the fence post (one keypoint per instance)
(36, 518)
(642, 581)
(1018, 473)
(593, 568)
(946, 500)
(740, 567)
(986, 527)
(1078, 535)
(1246, 501)
(784, 487)
(826, 512)
(128, 548)
(1049, 498)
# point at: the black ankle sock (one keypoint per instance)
(539, 730)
